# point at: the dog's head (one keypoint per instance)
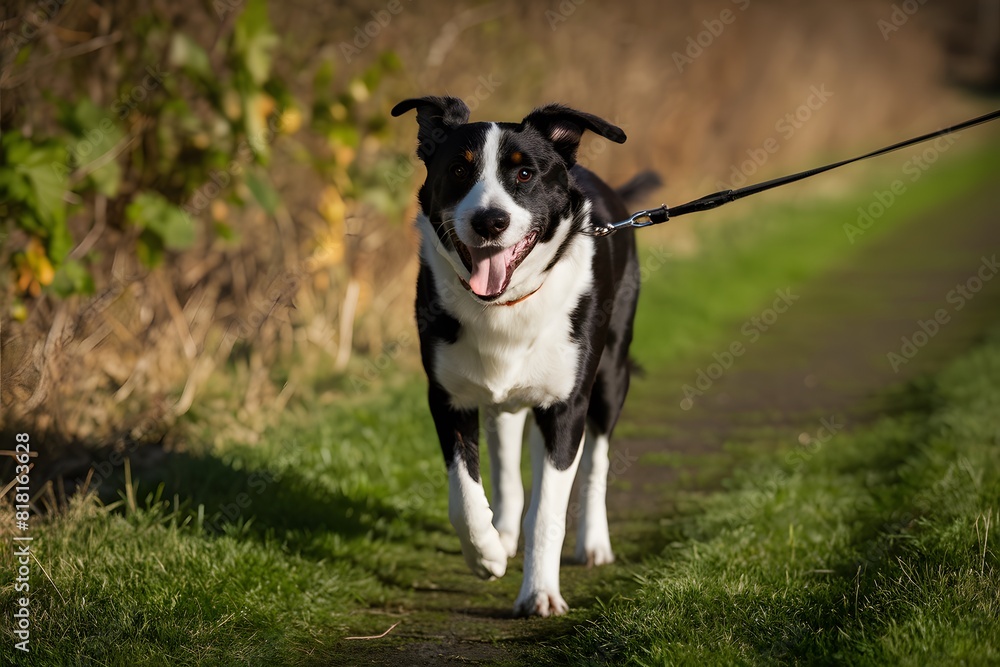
(499, 195)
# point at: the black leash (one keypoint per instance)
(655, 216)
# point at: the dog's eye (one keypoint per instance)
(524, 175)
(460, 171)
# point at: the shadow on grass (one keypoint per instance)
(300, 513)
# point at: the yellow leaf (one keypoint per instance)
(45, 272)
(332, 207)
(265, 105)
(231, 105)
(359, 90)
(338, 111)
(24, 278)
(19, 311)
(344, 155)
(290, 120)
(219, 210)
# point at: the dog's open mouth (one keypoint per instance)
(492, 268)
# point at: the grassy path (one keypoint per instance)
(336, 524)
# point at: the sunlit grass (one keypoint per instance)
(875, 548)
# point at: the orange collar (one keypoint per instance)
(517, 301)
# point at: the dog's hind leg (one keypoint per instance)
(593, 540)
(504, 436)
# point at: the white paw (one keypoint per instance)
(592, 555)
(540, 603)
(509, 542)
(487, 557)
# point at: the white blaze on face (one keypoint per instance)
(491, 263)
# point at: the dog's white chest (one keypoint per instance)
(511, 363)
(518, 355)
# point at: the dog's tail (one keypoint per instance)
(639, 186)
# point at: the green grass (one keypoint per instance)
(877, 547)
(184, 575)
(267, 553)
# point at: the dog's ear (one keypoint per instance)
(436, 116)
(564, 127)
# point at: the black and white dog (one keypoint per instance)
(519, 311)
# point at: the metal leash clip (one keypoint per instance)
(636, 220)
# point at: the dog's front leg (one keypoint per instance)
(555, 454)
(504, 433)
(468, 509)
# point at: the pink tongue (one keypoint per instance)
(489, 269)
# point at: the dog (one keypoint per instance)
(520, 311)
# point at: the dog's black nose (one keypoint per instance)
(490, 222)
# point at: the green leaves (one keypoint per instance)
(92, 149)
(261, 189)
(187, 54)
(73, 278)
(254, 40)
(33, 183)
(164, 225)
(184, 125)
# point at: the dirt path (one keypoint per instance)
(825, 358)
